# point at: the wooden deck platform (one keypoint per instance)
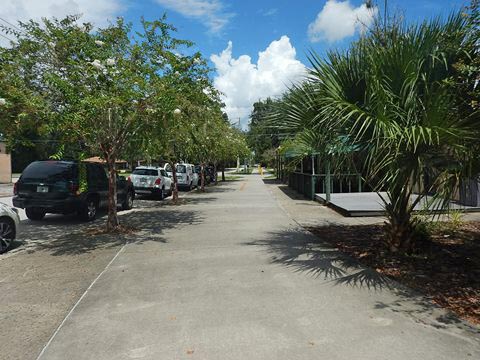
(370, 204)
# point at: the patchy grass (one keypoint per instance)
(446, 267)
(232, 177)
(241, 172)
(270, 177)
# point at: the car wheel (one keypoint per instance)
(128, 203)
(89, 211)
(191, 186)
(162, 193)
(7, 234)
(34, 214)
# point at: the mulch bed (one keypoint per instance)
(446, 268)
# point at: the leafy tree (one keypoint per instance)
(100, 88)
(262, 135)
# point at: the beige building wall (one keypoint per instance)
(5, 165)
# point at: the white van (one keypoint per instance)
(186, 177)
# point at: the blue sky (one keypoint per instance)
(254, 24)
(232, 33)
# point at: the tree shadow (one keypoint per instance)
(66, 235)
(231, 180)
(292, 194)
(219, 188)
(304, 253)
(422, 310)
(272, 181)
(152, 203)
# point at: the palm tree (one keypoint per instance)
(387, 96)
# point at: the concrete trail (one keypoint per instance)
(221, 286)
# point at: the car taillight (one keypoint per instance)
(129, 179)
(15, 188)
(158, 181)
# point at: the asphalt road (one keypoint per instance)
(230, 275)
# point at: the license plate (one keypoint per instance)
(143, 180)
(42, 189)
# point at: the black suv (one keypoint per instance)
(54, 187)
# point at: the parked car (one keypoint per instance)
(185, 176)
(207, 174)
(196, 176)
(210, 174)
(54, 187)
(151, 180)
(168, 169)
(9, 222)
(198, 170)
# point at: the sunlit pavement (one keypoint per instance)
(229, 275)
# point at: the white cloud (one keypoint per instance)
(339, 20)
(242, 83)
(96, 11)
(210, 12)
(270, 12)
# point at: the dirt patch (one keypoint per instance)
(446, 268)
(121, 229)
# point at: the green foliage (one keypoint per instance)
(269, 157)
(111, 92)
(262, 135)
(387, 106)
(82, 177)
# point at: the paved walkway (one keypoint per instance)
(239, 279)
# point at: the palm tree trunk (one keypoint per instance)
(400, 229)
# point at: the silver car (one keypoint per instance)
(9, 223)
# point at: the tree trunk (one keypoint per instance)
(202, 177)
(401, 228)
(215, 172)
(112, 220)
(223, 171)
(175, 183)
(400, 237)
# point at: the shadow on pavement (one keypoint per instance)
(304, 253)
(421, 309)
(66, 235)
(292, 194)
(271, 181)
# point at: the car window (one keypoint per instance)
(49, 171)
(145, 172)
(97, 174)
(168, 168)
(163, 172)
(181, 169)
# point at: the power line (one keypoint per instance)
(5, 37)
(9, 23)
